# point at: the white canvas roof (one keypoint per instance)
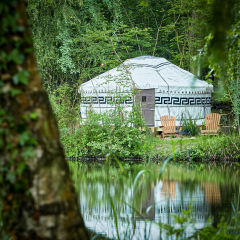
(147, 72)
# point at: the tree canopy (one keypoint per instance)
(77, 40)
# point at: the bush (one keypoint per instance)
(111, 133)
(190, 126)
(219, 148)
(114, 132)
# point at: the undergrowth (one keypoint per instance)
(220, 148)
(114, 132)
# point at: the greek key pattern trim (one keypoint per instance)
(106, 100)
(184, 101)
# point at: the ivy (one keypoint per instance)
(15, 56)
(21, 77)
(33, 115)
(14, 91)
(16, 143)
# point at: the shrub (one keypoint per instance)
(219, 148)
(190, 126)
(114, 132)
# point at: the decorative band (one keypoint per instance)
(106, 100)
(184, 101)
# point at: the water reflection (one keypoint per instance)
(153, 201)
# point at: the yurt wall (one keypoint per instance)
(104, 101)
(163, 89)
(182, 106)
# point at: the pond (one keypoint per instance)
(138, 203)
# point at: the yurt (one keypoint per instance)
(161, 87)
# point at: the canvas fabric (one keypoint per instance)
(177, 92)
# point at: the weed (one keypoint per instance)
(190, 126)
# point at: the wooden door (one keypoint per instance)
(146, 99)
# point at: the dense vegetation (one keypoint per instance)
(31, 154)
(77, 40)
(73, 42)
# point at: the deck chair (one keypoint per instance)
(212, 124)
(169, 126)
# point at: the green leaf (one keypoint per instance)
(115, 217)
(21, 77)
(14, 153)
(15, 56)
(33, 115)
(14, 92)
(11, 177)
(28, 50)
(120, 165)
(24, 137)
(20, 168)
(28, 153)
(144, 3)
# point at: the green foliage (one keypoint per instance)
(190, 126)
(226, 229)
(223, 51)
(16, 143)
(3, 234)
(82, 39)
(21, 77)
(115, 132)
(221, 148)
(65, 106)
(33, 115)
(12, 56)
(184, 221)
(111, 132)
(77, 40)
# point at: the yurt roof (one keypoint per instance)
(146, 72)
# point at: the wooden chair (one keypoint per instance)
(212, 124)
(169, 126)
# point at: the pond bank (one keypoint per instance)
(220, 149)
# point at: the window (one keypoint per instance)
(144, 98)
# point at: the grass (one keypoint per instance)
(200, 148)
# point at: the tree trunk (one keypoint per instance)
(39, 198)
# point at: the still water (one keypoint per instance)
(140, 204)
